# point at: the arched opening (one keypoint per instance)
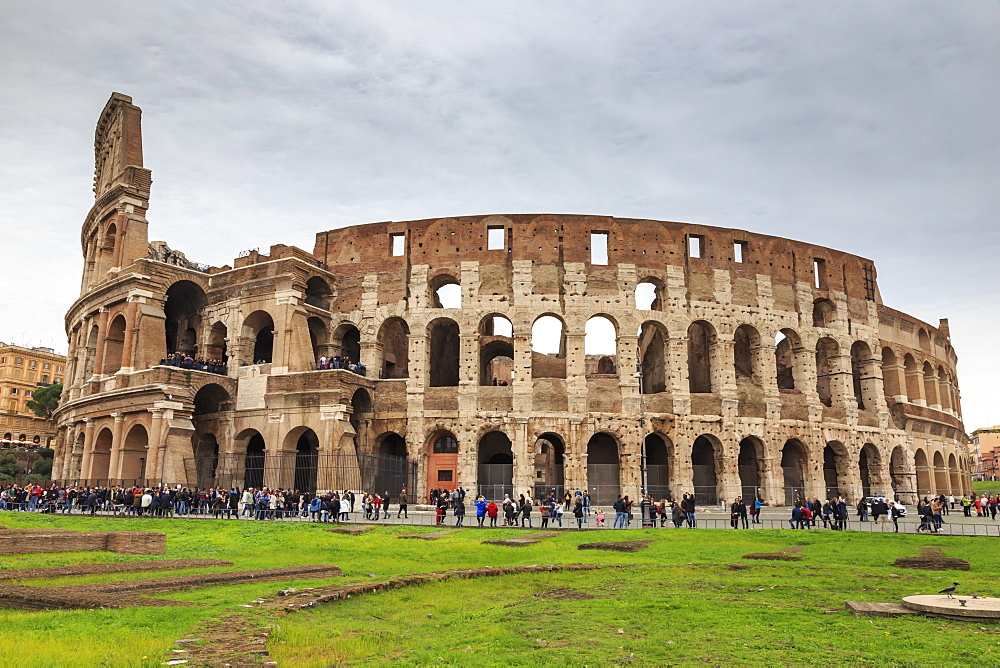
(786, 345)
(862, 370)
(793, 469)
(306, 461)
(91, 352)
(206, 459)
(923, 339)
(902, 482)
(185, 302)
(955, 475)
(391, 464)
(701, 337)
(346, 344)
(217, 348)
(496, 465)
(496, 351)
(652, 357)
(704, 453)
(134, 454)
(445, 291)
(318, 293)
(317, 339)
(914, 380)
(108, 247)
(944, 392)
(745, 340)
(548, 348)
(649, 294)
(253, 463)
(600, 345)
(603, 469)
(100, 459)
(826, 369)
(444, 353)
(394, 335)
(890, 375)
(549, 452)
(114, 345)
(869, 467)
(361, 417)
(750, 463)
(835, 466)
(442, 462)
(930, 385)
(824, 313)
(211, 398)
(941, 481)
(259, 328)
(658, 449)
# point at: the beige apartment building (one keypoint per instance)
(22, 372)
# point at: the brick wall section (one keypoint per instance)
(31, 541)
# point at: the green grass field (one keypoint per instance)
(677, 602)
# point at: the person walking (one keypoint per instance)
(526, 513)
(459, 511)
(895, 513)
(403, 501)
(492, 510)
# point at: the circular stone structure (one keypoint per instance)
(502, 353)
(937, 605)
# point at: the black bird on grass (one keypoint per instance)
(950, 590)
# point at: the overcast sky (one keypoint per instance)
(873, 128)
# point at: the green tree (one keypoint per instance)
(43, 467)
(44, 400)
(8, 466)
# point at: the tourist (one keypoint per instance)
(526, 512)
(578, 513)
(862, 509)
(492, 510)
(402, 504)
(480, 511)
(739, 508)
(796, 519)
(688, 506)
(557, 513)
(544, 511)
(620, 515)
(459, 511)
(895, 513)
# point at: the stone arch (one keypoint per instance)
(394, 335)
(91, 351)
(930, 385)
(211, 398)
(659, 452)
(653, 357)
(185, 302)
(445, 291)
(496, 351)
(890, 374)
(259, 328)
(824, 313)
(923, 470)
(345, 342)
(701, 340)
(787, 345)
(251, 442)
(134, 454)
(442, 461)
(955, 475)
(318, 293)
(650, 294)
(923, 339)
(496, 465)
(706, 462)
(751, 461)
(836, 476)
(443, 353)
(100, 458)
(391, 470)
(108, 249)
(745, 340)
(944, 392)
(914, 378)
(601, 338)
(205, 446)
(217, 347)
(114, 345)
(941, 482)
(549, 462)
(794, 460)
(318, 338)
(304, 442)
(548, 347)
(870, 470)
(603, 468)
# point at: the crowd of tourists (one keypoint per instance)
(341, 362)
(571, 509)
(186, 361)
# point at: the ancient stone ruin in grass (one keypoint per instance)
(932, 559)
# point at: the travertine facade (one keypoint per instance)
(24, 370)
(742, 363)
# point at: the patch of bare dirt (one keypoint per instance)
(932, 559)
(521, 541)
(790, 553)
(622, 546)
(564, 594)
(104, 569)
(351, 529)
(433, 535)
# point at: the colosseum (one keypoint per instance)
(497, 353)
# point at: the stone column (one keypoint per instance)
(115, 465)
(842, 382)
(723, 366)
(88, 448)
(154, 459)
(524, 458)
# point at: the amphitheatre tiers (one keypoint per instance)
(498, 353)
